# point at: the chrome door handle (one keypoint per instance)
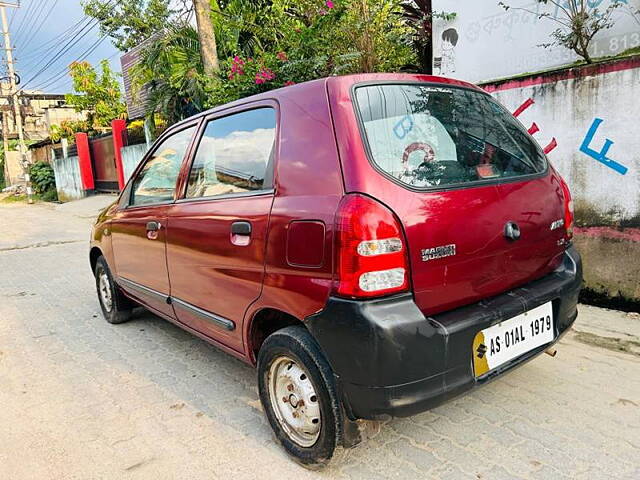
(241, 228)
(153, 226)
(241, 233)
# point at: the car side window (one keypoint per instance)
(156, 182)
(234, 155)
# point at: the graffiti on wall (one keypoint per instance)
(600, 156)
(491, 42)
(533, 129)
(445, 63)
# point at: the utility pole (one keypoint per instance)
(13, 92)
(206, 36)
(5, 133)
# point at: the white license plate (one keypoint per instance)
(507, 340)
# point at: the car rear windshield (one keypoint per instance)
(425, 136)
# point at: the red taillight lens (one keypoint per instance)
(568, 209)
(371, 251)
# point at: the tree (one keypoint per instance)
(579, 23)
(67, 129)
(376, 31)
(260, 45)
(206, 36)
(130, 23)
(97, 93)
(418, 15)
(172, 72)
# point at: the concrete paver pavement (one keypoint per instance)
(80, 398)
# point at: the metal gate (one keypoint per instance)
(103, 160)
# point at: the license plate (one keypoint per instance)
(507, 340)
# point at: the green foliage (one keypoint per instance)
(130, 23)
(67, 129)
(171, 70)
(249, 76)
(42, 177)
(261, 44)
(50, 195)
(97, 93)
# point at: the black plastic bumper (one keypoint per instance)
(391, 360)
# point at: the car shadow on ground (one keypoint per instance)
(225, 389)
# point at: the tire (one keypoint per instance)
(293, 356)
(116, 308)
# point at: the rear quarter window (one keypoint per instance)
(426, 136)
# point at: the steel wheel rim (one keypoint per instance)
(104, 289)
(294, 401)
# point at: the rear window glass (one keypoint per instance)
(427, 136)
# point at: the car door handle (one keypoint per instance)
(153, 226)
(241, 228)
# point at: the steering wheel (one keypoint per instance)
(429, 153)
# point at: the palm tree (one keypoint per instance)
(172, 73)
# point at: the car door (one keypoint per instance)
(217, 232)
(138, 228)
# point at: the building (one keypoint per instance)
(39, 111)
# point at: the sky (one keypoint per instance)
(47, 35)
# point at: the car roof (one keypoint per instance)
(339, 82)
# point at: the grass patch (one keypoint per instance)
(631, 51)
(20, 198)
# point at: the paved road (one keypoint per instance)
(82, 399)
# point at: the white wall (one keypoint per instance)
(131, 156)
(68, 179)
(566, 110)
(494, 43)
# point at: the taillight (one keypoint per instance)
(371, 252)
(568, 209)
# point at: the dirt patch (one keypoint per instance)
(590, 296)
(616, 344)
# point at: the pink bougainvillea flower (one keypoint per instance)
(237, 65)
(282, 56)
(322, 12)
(288, 83)
(329, 4)
(264, 75)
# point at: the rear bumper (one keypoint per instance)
(391, 360)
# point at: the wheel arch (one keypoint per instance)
(263, 323)
(94, 254)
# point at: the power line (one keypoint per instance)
(24, 20)
(13, 17)
(30, 35)
(55, 41)
(77, 37)
(36, 13)
(63, 72)
(62, 44)
(70, 44)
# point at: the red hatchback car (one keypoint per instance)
(376, 244)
